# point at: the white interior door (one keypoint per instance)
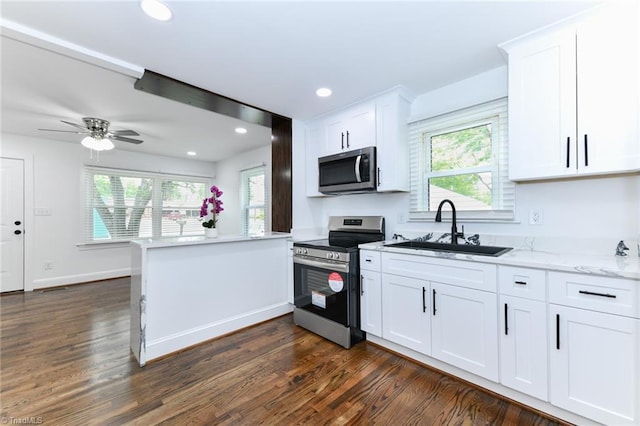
(11, 224)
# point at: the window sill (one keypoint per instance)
(102, 245)
(468, 216)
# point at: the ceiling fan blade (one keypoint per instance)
(75, 125)
(124, 133)
(123, 139)
(65, 131)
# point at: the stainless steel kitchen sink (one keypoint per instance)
(453, 248)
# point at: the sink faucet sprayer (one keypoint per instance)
(454, 229)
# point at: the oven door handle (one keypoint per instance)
(341, 267)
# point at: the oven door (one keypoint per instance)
(323, 288)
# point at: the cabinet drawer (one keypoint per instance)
(370, 260)
(611, 295)
(522, 282)
(474, 275)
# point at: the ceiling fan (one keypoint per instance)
(98, 134)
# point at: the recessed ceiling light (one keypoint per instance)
(241, 130)
(191, 153)
(323, 92)
(156, 9)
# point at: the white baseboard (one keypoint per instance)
(178, 341)
(80, 278)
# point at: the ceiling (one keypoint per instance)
(272, 55)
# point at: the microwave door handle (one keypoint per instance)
(358, 178)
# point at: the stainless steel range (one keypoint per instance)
(327, 278)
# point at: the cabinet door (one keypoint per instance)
(351, 129)
(405, 312)
(594, 364)
(361, 126)
(523, 345)
(608, 90)
(464, 329)
(542, 110)
(314, 144)
(392, 142)
(371, 302)
(335, 135)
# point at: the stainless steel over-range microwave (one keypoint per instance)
(348, 172)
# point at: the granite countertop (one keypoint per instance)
(201, 239)
(605, 265)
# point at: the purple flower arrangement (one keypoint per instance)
(211, 207)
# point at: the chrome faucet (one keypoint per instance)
(454, 229)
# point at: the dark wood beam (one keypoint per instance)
(167, 87)
(281, 192)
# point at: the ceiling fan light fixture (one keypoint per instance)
(156, 9)
(97, 144)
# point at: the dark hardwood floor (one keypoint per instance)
(65, 359)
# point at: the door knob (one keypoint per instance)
(17, 222)
(17, 232)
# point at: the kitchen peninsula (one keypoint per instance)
(187, 290)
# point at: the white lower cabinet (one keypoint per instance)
(595, 364)
(523, 345)
(371, 302)
(570, 340)
(523, 330)
(405, 313)
(464, 328)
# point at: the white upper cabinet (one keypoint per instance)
(351, 129)
(607, 55)
(392, 112)
(573, 98)
(314, 145)
(381, 122)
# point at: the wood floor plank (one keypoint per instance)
(64, 357)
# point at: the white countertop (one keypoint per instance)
(606, 265)
(201, 239)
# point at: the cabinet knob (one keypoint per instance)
(17, 222)
(17, 232)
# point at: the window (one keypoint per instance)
(122, 205)
(254, 201)
(462, 156)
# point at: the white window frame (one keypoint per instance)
(156, 199)
(245, 207)
(420, 132)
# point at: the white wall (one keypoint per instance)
(597, 208)
(54, 180)
(228, 180)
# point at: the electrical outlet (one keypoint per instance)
(535, 217)
(401, 218)
(48, 265)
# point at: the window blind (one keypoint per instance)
(121, 205)
(492, 114)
